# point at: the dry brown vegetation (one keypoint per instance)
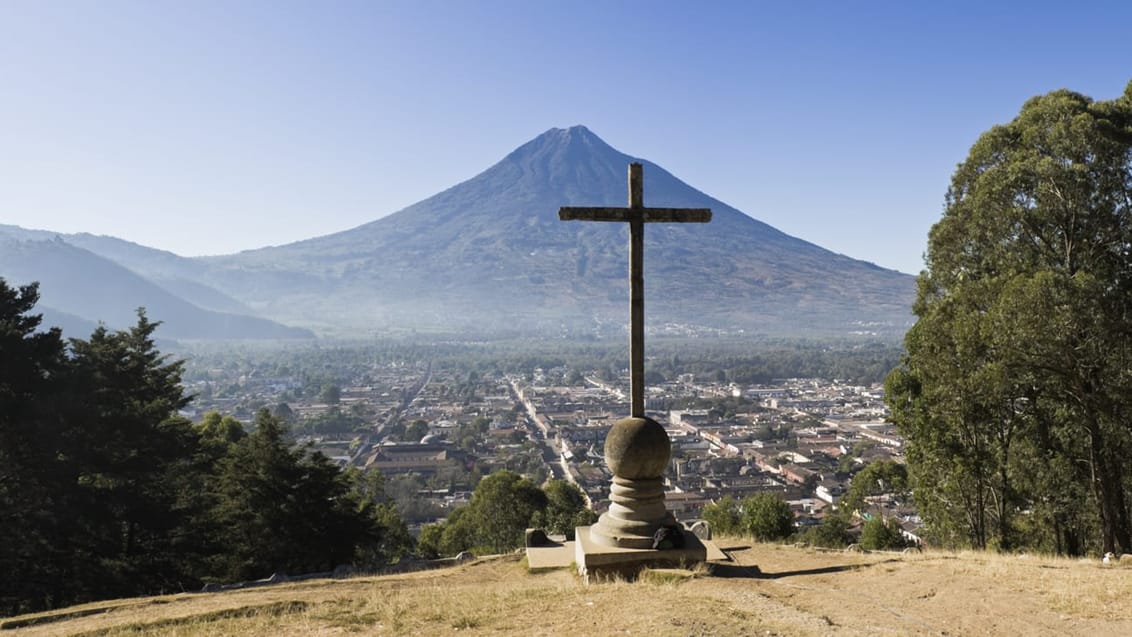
(766, 590)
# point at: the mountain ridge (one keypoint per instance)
(79, 288)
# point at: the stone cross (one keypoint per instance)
(636, 448)
(637, 215)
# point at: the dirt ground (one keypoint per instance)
(764, 590)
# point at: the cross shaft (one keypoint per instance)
(637, 215)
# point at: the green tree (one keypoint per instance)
(481, 424)
(566, 509)
(330, 394)
(766, 517)
(218, 433)
(880, 534)
(129, 456)
(1014, 391)
(429, 542)
(878, 477)
(394, 540)
(415, 431)
(458, 533)
(723, 516)
(284, 412)
(833, 532)
(31, 362)
(574, 378)
(502, 507)
(283, 509)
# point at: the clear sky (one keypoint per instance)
(211, 127)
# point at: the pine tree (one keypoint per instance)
(282, 509)
(129, 457)
(31, 363)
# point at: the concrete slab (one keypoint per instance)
(598, 560)
(550, 557)
(562, 554)
(714, 553)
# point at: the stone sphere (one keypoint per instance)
(637, 448)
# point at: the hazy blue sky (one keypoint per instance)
(211, 127)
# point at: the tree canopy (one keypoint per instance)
(566, 509)
(1016, 386)
(32, 366)
(766, 517)
(878, 477)
(503, 506)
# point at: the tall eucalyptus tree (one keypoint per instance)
(1016, 387)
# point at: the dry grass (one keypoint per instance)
(767, 590)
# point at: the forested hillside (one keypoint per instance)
(105, 491)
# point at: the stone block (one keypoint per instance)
(596, 560)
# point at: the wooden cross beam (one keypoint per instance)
(637, 215)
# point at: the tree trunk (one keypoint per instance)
(1114, 478)
(1102, 488)
(980, 514)
(1123, 532)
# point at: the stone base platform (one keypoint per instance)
(595, 560)
(550, 557)
(559, 553)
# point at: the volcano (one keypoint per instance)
(489, 255)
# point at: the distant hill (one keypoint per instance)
(489, 255)
(72, 326)
(179, 275)
(79, 289)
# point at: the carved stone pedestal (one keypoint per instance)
(636, 513)
(621, 543)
